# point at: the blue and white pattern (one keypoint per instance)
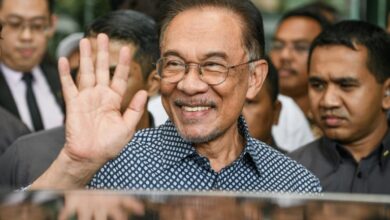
(159, 159)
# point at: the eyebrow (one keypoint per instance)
(294, 41)
(349, 80)
(222, 55)
(39, 17)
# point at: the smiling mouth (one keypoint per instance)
(195, 108)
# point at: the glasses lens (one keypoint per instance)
(213, 73)
(171, 70)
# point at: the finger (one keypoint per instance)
(118, 214)
(133, 206)
(69, 88)
(102, 60)
(120, 79)
(135, 110)
(87, 76)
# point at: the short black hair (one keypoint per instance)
(272, 80)
(253, 31)
(50, 4)
(350, 33)
(132, 27)
(320, 7)
(307, 13)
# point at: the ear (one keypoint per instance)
(277, 109)
(386, 95)
(52, 26)
(256, 78)
(153, 84)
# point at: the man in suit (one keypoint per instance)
(10, 129)
(29, 156)
(29, 88)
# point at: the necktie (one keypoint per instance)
(32, 103)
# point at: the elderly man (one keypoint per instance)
(211, 61)
(349, 90)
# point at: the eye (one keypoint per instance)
(38, 26)
(301, 48)
(277, 46)
(173, 64)
(316, 85)
(213, 67)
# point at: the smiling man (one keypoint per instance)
(349, 90)
(207, 71)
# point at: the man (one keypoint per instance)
(349, 90)
(10, 129)
(207, 71)
(31, 155)
(262, 112)
(293, 36)
(29, 88)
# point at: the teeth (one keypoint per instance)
(195, 109)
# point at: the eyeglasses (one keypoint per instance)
(297, 47)
(212, 73)
(18, 26)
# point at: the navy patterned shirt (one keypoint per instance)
(159, 159)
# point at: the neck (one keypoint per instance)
(222, 151)
(365, 146)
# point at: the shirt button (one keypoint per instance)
(359, 174)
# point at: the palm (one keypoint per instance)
(96, 130)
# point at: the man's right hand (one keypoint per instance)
(96, 130)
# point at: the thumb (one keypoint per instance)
(135, 110)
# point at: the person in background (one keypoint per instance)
(69, 48)
(262, 112)
(207, 72)
(326, 10)
(289, 52)
(31, 155)
(29, 86)
(349, 91)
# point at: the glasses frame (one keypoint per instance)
(200, 70)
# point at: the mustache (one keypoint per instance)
(195, 102)
(339, 113)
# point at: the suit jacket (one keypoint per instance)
(51, 74)
(29, 156)
(10, 129)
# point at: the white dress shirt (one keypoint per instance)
(293, 129)
(49, 109)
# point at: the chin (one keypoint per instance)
(200, 138)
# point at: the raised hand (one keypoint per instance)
(96, 130)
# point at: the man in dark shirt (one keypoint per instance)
(31, 155)
(349, 89)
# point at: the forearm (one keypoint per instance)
(66, 173)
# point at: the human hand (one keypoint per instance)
(96, 130)
(99, 205)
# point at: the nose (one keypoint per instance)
(330, 98)
(286, 52)
(26, 33)
(191, 83)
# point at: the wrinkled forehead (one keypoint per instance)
(201, 30)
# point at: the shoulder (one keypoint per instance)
(282, 173)
(307, 152)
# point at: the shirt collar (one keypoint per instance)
(176, 148)
(15, 77)
(332, 150)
